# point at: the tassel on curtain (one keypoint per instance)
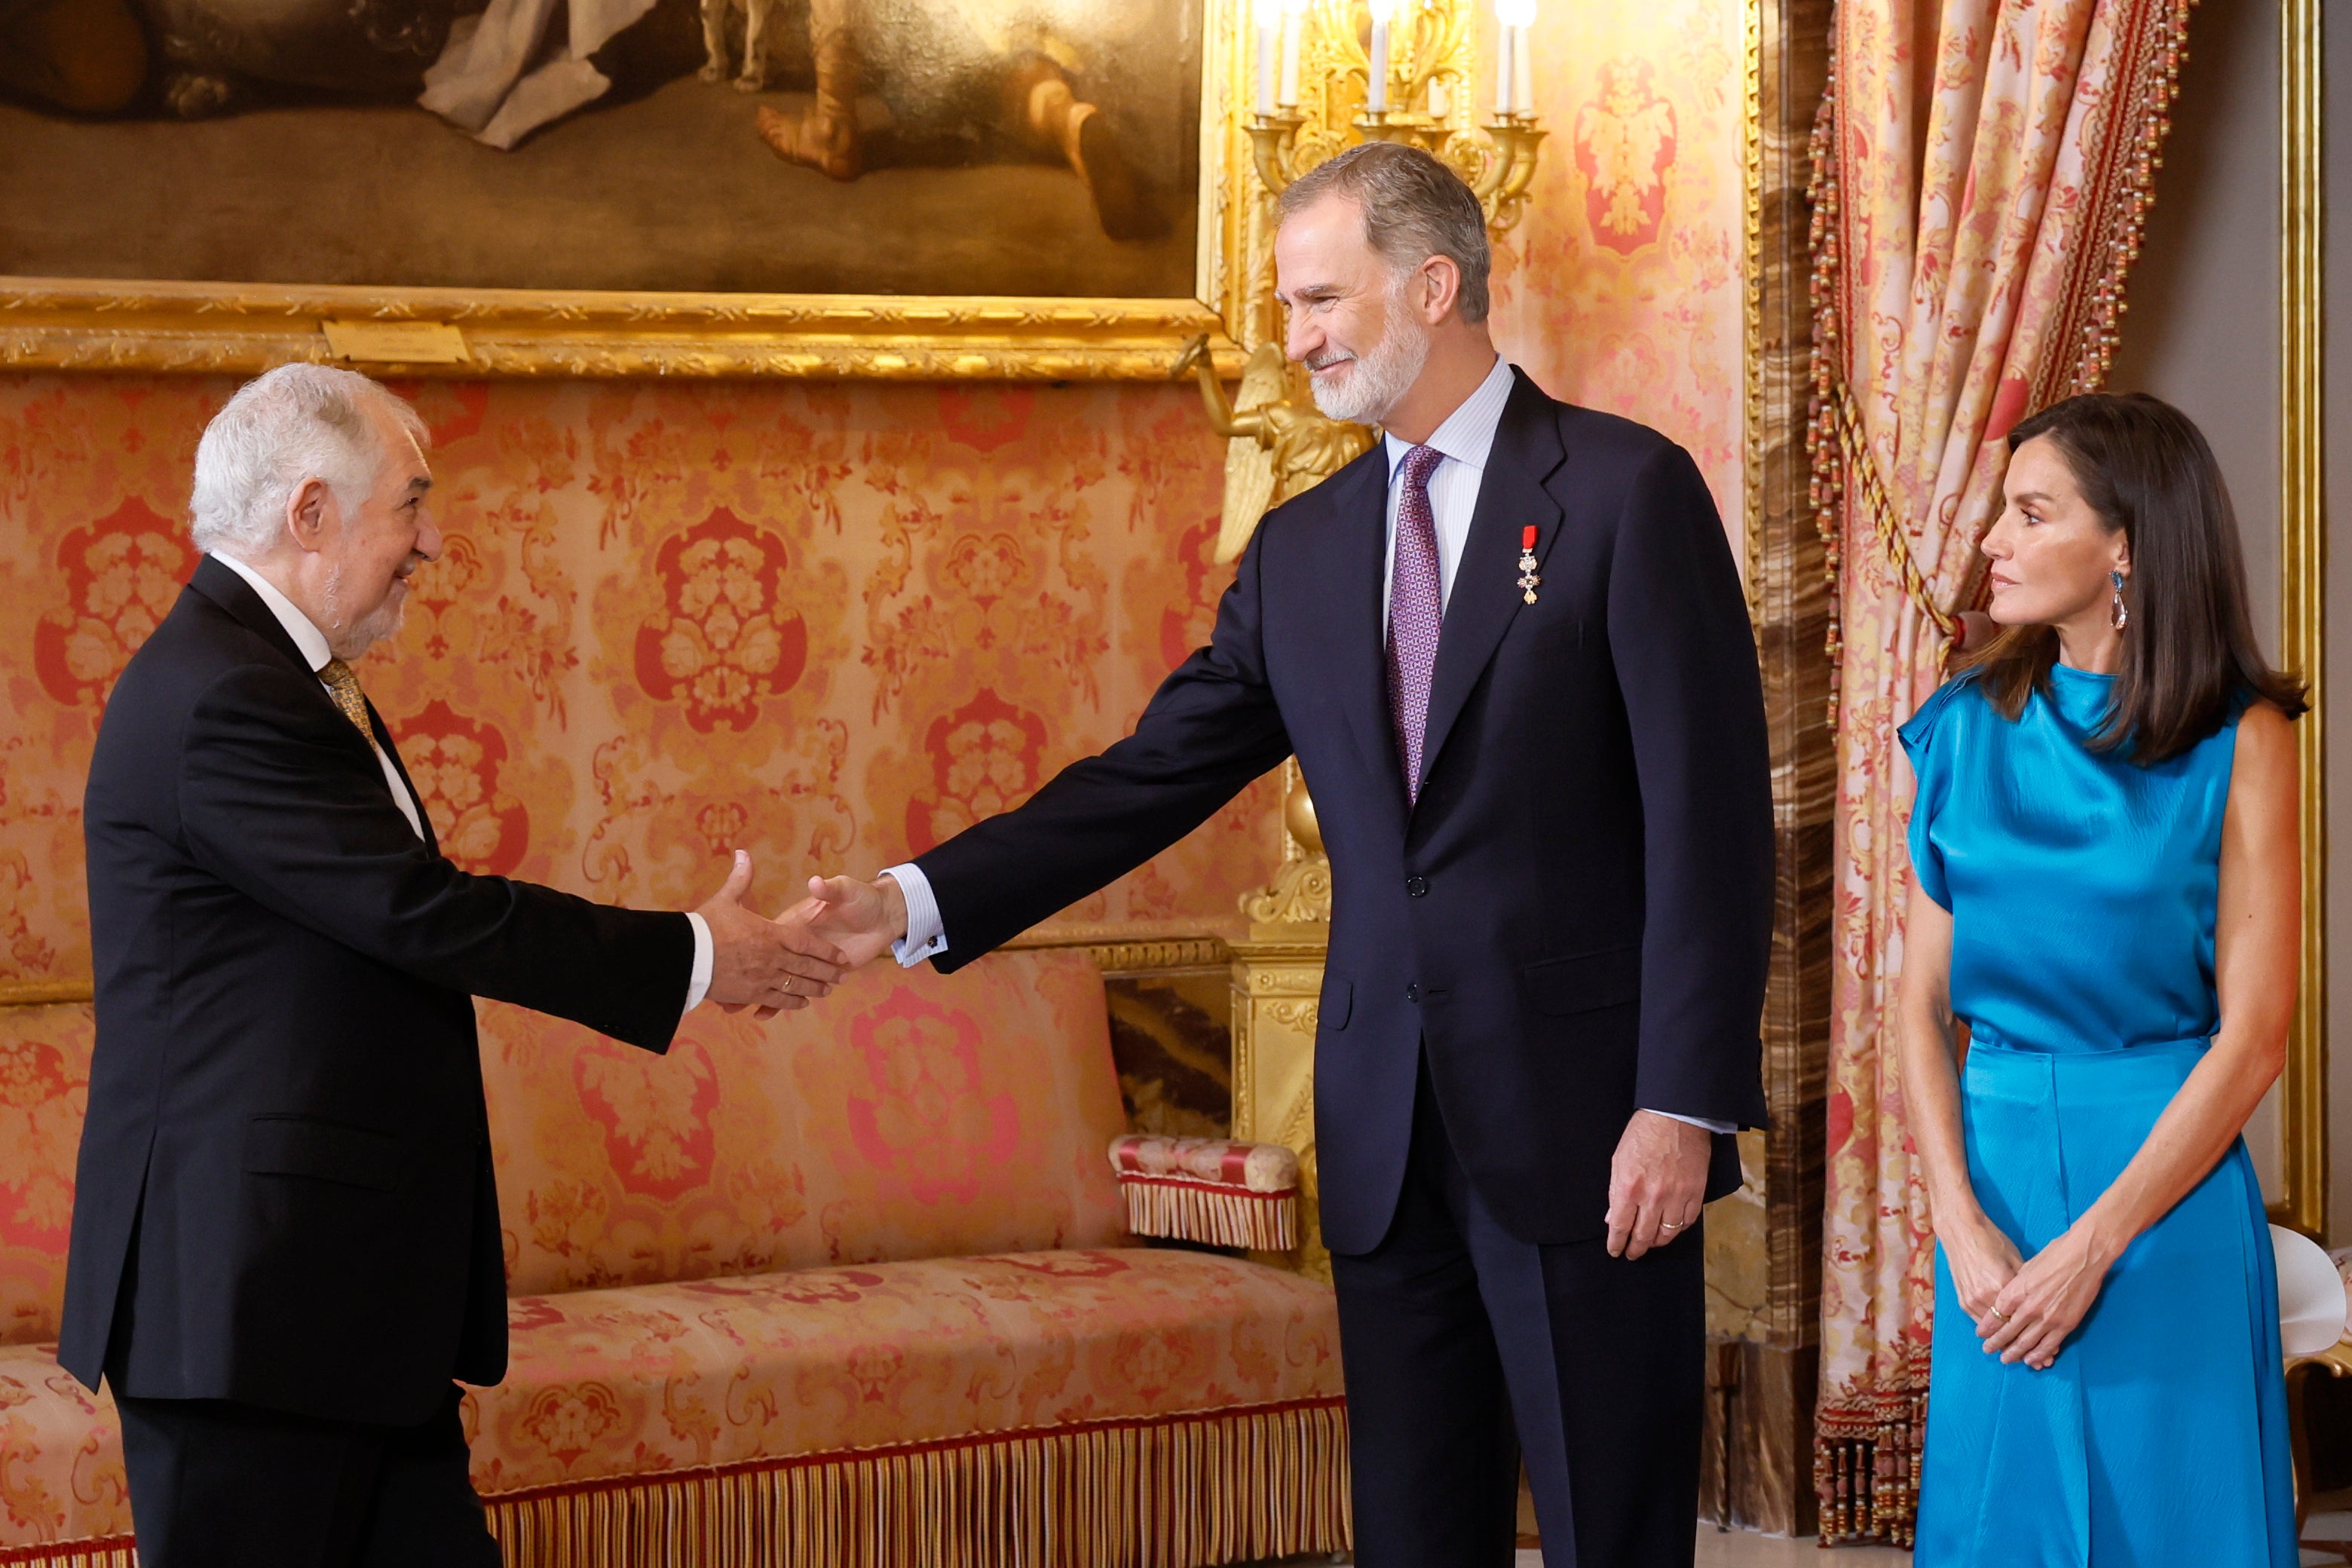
(1982, 175)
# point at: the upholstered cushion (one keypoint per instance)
(907, 1115)
(60, 1454)
(1218, 1162)
(721, 1372)
(44, 1089)
(1214, 1191)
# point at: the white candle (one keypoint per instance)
(1513, 67)
(1377, 87)
(1265, 57)
(1293, 20)
(1438, 98)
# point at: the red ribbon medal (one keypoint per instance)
(1528, 579)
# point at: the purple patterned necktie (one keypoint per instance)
(1416, 608)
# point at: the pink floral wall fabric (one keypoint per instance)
(1620, 287)
(830, 624)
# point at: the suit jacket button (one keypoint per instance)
(1415, 887)
(1412, 991)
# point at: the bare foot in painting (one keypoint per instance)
(825, 137)
(813, 141)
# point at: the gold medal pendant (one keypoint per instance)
(1529, 581)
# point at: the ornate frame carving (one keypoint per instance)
(54, 323)
(2302, 584)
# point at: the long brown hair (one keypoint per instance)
(2189, 656)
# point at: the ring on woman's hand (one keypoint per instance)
(2001, 1315)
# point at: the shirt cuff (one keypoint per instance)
(924, 938)
(1699, 1121)
(698, 982)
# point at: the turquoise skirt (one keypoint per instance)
(2158, 1438)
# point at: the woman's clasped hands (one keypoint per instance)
(2025, 1308)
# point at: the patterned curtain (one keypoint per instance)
(1982, 173)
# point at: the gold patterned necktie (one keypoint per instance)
(344, 688)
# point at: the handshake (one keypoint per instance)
(786, 963)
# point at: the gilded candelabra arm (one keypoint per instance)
(1222, 418)
(1437, 34)
(1502, 179)
(1273, 139)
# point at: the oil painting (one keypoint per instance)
(870, 147)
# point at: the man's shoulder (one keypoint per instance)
(1325, 502)
(196, 632)
(198, 648)
(1594, 433)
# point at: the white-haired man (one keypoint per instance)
(1508, 649)
(286, 1242)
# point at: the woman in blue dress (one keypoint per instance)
(2106, 894)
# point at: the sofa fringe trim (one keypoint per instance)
(1210, 1213)
(98, 1551)
(1178, 1491)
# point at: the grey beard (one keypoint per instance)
(347, 643)
(1383, 374)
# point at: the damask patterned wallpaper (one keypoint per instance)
(833, 622)
(830, 623)
(1622, 288)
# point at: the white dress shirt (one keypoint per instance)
(1464, 439)
(311, 643)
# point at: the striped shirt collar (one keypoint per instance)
(1467, 433)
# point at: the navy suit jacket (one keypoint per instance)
(284, 1195)
(1574, 921)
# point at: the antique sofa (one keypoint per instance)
(852, 1288)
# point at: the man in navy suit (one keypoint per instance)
(1509, 650)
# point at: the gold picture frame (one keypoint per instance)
(2303, 582)
(56, 323)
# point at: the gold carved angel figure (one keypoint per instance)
(1280, 445)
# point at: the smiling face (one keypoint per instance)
(374, 547)
(1349, 322)
(2051, 552)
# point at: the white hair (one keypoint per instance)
(296, 423)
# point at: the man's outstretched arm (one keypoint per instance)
(1211, 728)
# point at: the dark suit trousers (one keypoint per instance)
(215, 1484)
(1467, 1350)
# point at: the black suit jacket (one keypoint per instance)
(1574, 921)
(284, 1195)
